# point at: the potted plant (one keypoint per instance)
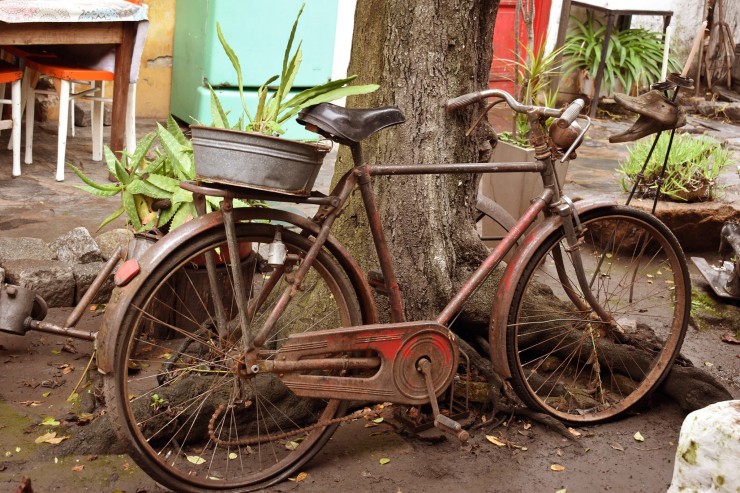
(513, 191)
(633, 59)
(691, 173)
(250, 151)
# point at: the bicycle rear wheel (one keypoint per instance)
(564, 359)
(193, 422)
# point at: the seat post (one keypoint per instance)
(381, 247)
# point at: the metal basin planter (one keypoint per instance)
(256, 161)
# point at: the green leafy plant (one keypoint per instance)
(144, 184)
(534, 70)
(691, 174)
(634, 56)
(274, 104)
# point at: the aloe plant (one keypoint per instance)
(141, 182)
(274, 106)
(691, 174)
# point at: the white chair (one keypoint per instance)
(12, 75)
(67, 72)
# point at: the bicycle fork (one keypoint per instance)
(574, 237)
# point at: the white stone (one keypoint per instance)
(708, 454)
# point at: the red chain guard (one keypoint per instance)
(399, 347)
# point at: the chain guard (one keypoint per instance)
(399, 347)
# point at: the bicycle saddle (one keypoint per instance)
(348, 125)
(656, 114)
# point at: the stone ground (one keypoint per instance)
(38, 372)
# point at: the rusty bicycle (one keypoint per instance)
(236, 344)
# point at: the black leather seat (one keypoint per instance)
(348, 125)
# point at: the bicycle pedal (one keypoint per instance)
(449, 425)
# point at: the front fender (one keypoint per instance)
(514, 270)
(107, 338)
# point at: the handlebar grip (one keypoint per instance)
(463, 101)
(571, 113)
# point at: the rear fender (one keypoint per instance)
(512, 275)
(158, 252)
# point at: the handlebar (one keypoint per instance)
(568, 115)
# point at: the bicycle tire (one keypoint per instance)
(163, 394)
(568, 363)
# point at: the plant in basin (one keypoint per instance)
(275, 105)
(248, 152)
(691, 173)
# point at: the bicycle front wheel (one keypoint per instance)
(565, 360)
(194, 422)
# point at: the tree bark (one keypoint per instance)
(422, 53)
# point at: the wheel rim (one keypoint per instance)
(192, 420)
(575, 366)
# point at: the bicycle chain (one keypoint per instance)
(362, 413)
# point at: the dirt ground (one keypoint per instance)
(39, 372)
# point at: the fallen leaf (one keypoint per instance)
(708, 364)
(30, 403)
(17, 449)
(232, 456)
(559, 453)
(301, 476)
(561, 491)
(574, 432)
(638, 437)
(8, 453)
(384, 461)
(196, 460)
(616, 446)
(291, 445)
(69, 369)
(56, 351)
(50, 437)
(557, 467)
(78, 467)
(46, 394)
(527, 426)
(495, 441)
(49, 421)
(378, 420)
(729, 339)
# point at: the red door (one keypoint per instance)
(502, 68)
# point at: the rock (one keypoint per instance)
(52, 280)
(109, 241)
(77, 246)
(24, 248)
(83, 114)
(696, 225)
(732, 112)
(84, 275)
(709, 108)
(708, 450)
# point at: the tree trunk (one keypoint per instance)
(422, 53)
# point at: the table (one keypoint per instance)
(118, 23)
